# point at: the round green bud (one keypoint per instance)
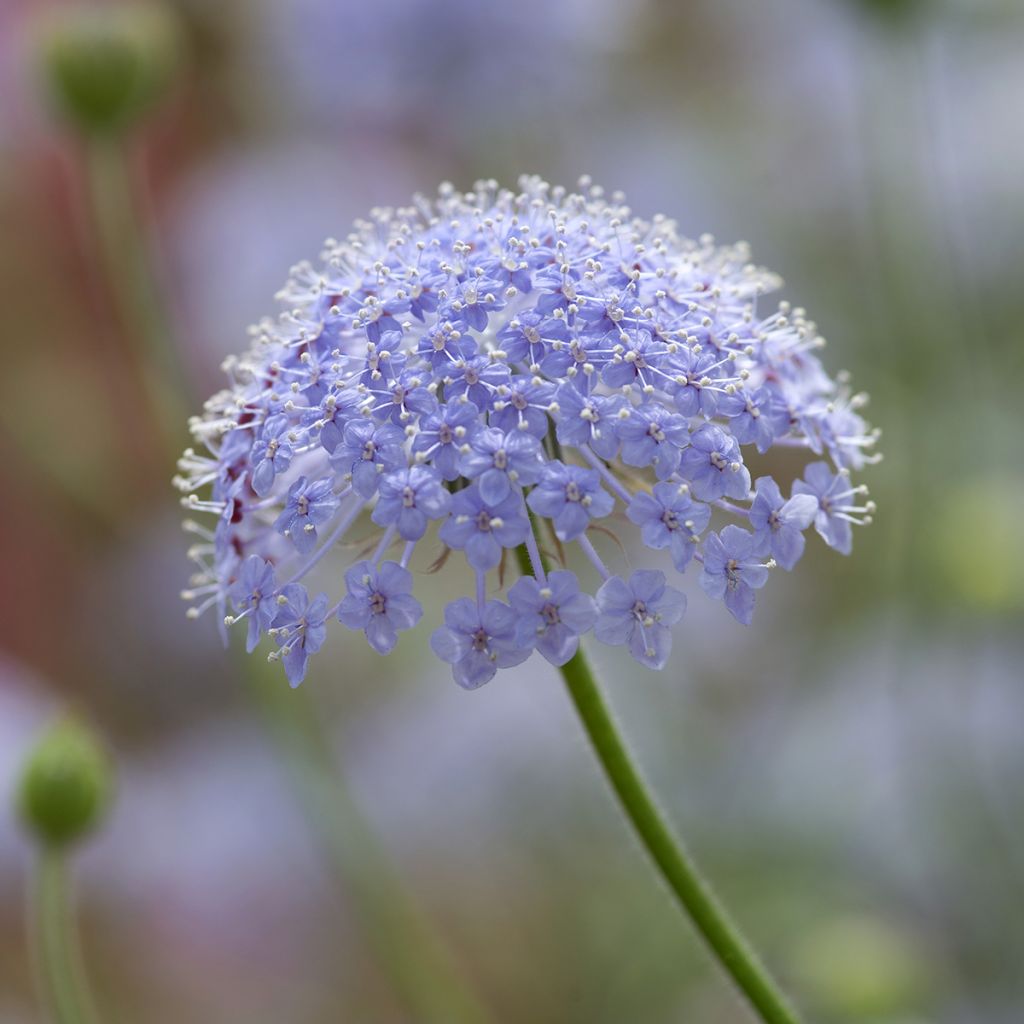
(66, 785)
(105, 67)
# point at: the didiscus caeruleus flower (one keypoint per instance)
(491, 369)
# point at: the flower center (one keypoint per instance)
(444, 434)
(472, 377)
(531, 334)
(479, 639)
(302, 506)
(501, 459)
(518, 401)
(550, 614)
(369, 450)
(483, 520)
(572, 491)
(717, 460)
(668, 517)
(732, 573)
(378, 603)
(655, 432)
(408, 497)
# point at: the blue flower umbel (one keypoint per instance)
(494, 369)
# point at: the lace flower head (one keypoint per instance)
(494, 369)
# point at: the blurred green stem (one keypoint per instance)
(55, 944)
(405, 947)
(692, 892)
(124, 251)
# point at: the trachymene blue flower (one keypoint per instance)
(553, 615)
(669, 519)
(778, 524)
(638, 613)
(379, 602)
(478, 639)
(733, 570)
(515, 366)
(298, 629)
(482, 530)
(570, 496)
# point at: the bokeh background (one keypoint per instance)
(849, 770)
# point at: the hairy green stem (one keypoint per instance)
(404, 945)
(55, 943)
(691, 891)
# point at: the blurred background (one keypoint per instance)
(849, 770)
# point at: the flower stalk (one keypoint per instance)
(693, 894)
(61, 978)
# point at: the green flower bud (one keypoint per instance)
(66, 785)
(106, 67)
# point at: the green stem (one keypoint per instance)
(694, 895)
(420, 967)
(57, 958)
(124, 253)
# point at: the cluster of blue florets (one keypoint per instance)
(523, 369)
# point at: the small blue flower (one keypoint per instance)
(528, 338)
(668, 518)
(524, 405)
(379, 602)
(835, 511)
(638, 362)
(733, 571)
(443, 434)
(409, 498)
(570, 496)
(692, 382)
(401, 398)
(652, 435)
(552, 615)
(779, 524)
(298, 629)
(367, 451)
(308, 505)
(755, 417)
(589, 420)
(384, 356)
(483, 530)
(444, 345)
(253, 594)
(473, 300)
(271, 454)
(638, 613)
(337, 409)
(713, 465)
(477, 641)
(501, 461)
(477, 380)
